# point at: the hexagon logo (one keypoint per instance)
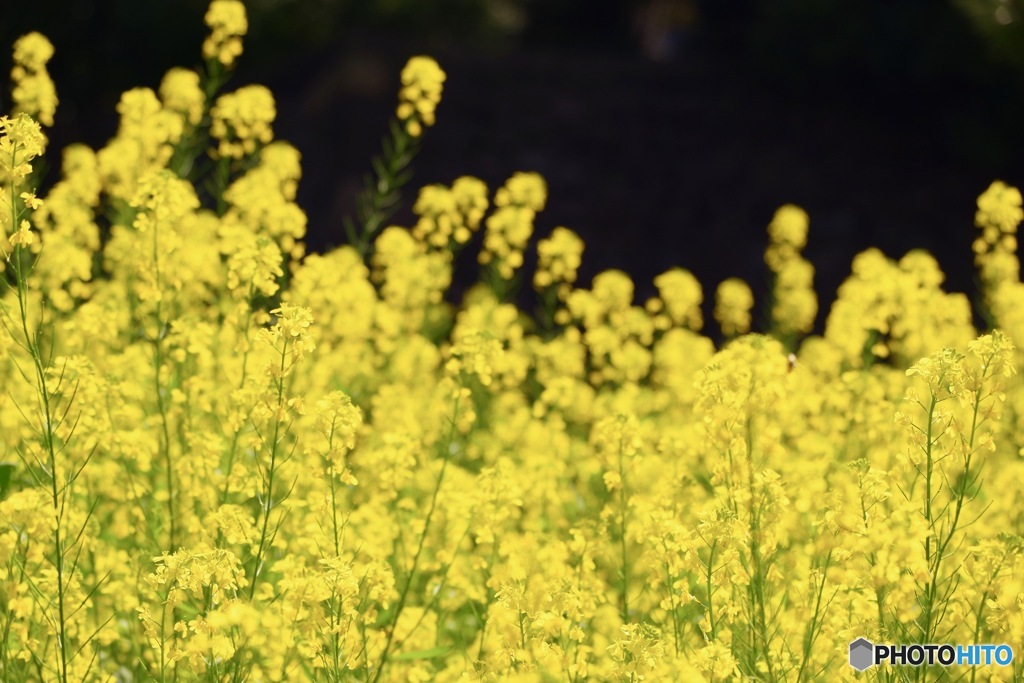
(862, 654)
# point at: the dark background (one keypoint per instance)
(668, 130)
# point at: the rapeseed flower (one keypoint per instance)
(422, 84)
(34, 92)
(242, 121)
(733, 301)
(228, 25)
(229, 459)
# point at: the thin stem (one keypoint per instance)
(165, 444)
(379, 199)
(268, 491)
(622, 538)
(675, 610)
(241, 384)
(403, 596)
(711, 605)
(47, 431)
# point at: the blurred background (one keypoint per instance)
(668, 130)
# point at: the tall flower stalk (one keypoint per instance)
(21, 142)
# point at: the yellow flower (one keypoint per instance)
(1000, 206)
(23, 236)
(795, 303)
(733, 301)
(181, 91)
(558, 259)
(477, 353)
(422, 83)
(789, 226)
(617, 435)
(31, 201)
(242, 120)
(510, 227)
(339, 421)
(21, 141)
(681, 294)
(450, 214)
(228, 24)
(254, 265)
(34, 92)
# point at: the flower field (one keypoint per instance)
(225, 459)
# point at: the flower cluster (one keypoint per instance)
(228, 25)
(450, 215)
(242, 121)
(34, 92)
(888, 308)
(21, 142)
(146, 138)
(422, 83)
(733, 301)
(679, 298)
(225, 459)
(795, 304)
(510, 226)
(181, 91)
(995, 252)
(558, 260)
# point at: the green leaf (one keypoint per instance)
(6, 474)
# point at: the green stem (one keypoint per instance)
(241, 384)
(675, 610)
(622, 539)
(711, 606)
(47, 431)
(268, 490)
(165, 445)
(403, 596)
(379, 199)
(929, 592)
(335, 618)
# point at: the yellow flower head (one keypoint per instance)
(338, 419)
(438, 216)
(733, 301)
(796, 304)
(292, 321)
(254, 267)
(23, 235)
(942, 371)
(242, 120)
(617, 435)
(32, 51)
(476, 353)
(228, 23)
(510, 227)
(523, 189)
(558, 259)
(21, 141)
(992, 355)
(995, 249)
(789, 226)
(181, 92)
(422, 83)
(448, 214)
(681, 293)
(637, 652)
(471, 199)
(1000, 207)
(163, 198)
(292, 328)
(34, 92)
